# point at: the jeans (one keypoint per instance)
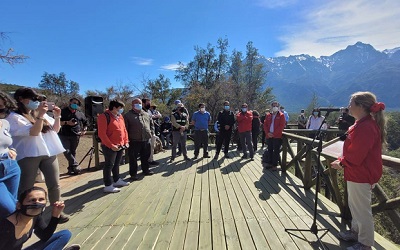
(56, 242)
(70, 144)
(246, 140)
(10, 174)
(165, 139)
(112, 162)
(50, 169)
(135, 149)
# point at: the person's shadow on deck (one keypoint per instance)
(267, 185)
(77, 202)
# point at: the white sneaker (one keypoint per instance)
(111, 189)
(121, 183)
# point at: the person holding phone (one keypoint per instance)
(74, 125)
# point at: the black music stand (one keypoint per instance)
(314, 228)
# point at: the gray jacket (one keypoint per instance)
(139, 125)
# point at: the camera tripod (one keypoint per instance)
(89, 153)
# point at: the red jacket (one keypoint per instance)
(245, 121)
(362, 152)
(114, 133)
(279, 124)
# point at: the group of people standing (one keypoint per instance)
(29, 141)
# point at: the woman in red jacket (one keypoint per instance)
(114, 138)
(362, 164)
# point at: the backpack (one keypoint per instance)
(96, 133)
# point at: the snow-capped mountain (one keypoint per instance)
(334, 78)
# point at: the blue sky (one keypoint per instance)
(100, 43)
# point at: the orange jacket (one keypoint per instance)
(114, 133)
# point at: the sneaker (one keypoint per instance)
(171, 160)
(206, 156)
(154, 163)
(134, 178)
(111, 189)
(63, 218)
(251, 159)
(195, 157)
(348, 235)
(121, 183)
(359, 246)
(73, 247)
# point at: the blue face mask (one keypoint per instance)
(74, 106)
(315, 113)
(137, 106)
(120, 111)
(32, 105)
(226, 107)
(244, 109)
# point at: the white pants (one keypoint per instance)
(361, 211)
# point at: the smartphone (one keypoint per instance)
(50, 105)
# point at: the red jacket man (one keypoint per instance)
(245, 120)
(274, 124)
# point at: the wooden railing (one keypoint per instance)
(305, 160)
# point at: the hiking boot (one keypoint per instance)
(121, 183)
(348, 235)
(359, 246)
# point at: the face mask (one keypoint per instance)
(244, 109)
(282, 110)
(4, 110)
(275, 109)
(315, 113)
(36, 206)
(302, 113)
(74, 106)
(226, 107)
(147, 106)
(32, 105)
(137, 106)
(202, 109)
(120, 111)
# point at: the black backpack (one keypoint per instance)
(96, 133)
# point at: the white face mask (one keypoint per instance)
(275, 109)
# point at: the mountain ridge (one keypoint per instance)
(358, 67)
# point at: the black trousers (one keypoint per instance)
(70, 143)
(224, 139)
(112, 161)
(135, 149)
(200, 139)
(274, 146)
(254, 138)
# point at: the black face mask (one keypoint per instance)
(182, 110)
(147, 106)
(24, 209)
(4, 111)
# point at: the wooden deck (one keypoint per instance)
(203, 204)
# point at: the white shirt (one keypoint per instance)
(32, 146)
(315, 122)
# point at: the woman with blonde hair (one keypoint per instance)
(362, 164)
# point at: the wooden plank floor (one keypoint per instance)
(202, 204)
